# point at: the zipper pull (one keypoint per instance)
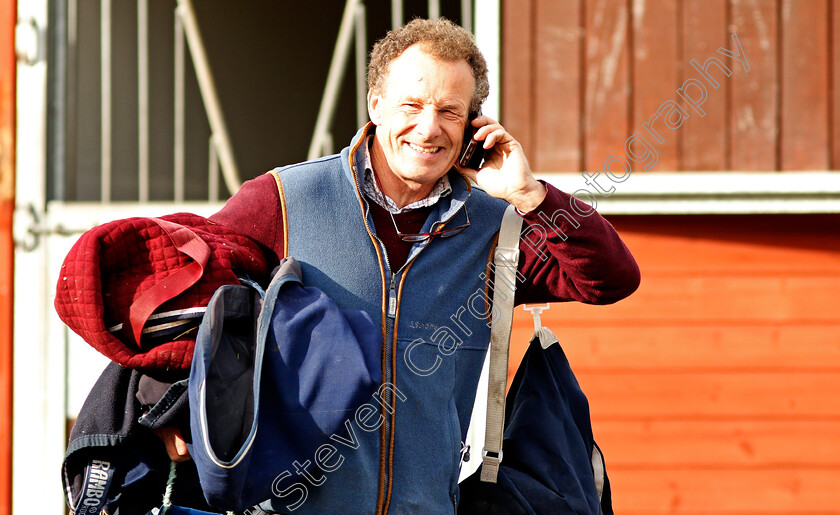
(392, 299)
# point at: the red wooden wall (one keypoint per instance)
(580, 76)
(714, 388)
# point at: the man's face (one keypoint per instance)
(420, 116)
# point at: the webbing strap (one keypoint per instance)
(506, 259)
(598, 470)
(187, 242)
(97, 482)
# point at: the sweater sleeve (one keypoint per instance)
(255, 211)
(567, 256)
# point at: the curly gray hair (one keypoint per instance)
(440, 38)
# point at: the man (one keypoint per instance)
(392, 226)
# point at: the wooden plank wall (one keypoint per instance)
(580, 76)
(713, 388)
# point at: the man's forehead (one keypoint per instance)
(418, 75)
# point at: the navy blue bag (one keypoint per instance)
(551, 464)
(273, 375)
(545, 461)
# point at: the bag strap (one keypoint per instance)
(166, 506)
(170, 486)
(506, 259)
(98, 476)
(187, 242)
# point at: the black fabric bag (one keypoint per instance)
(551, 464)
(113, 459)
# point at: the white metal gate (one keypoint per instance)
(53, 368)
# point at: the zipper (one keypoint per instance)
(388, 375)
(390, 347)
(395, 291)
(392, 298)
(389, 319)
(390, 344)
(390, 340)
(387, 347)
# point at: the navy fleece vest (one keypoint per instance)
(400, 452)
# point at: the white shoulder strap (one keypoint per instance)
(505, 259)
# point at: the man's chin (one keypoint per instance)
(424, 167)
(427, 177)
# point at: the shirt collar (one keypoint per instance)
(441, 189)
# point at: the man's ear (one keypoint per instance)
(374, 104)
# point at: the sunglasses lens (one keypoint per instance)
(453, 231)
(414, 238)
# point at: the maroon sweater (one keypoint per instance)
(592, 265)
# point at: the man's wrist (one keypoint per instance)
(529, 199)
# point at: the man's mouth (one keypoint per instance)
(424, 150)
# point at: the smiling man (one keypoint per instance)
(393, 226)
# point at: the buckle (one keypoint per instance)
(494, 458)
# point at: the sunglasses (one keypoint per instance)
(423, 236)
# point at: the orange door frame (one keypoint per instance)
(8, 20)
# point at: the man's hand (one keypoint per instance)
(176, 447)
(506, 173)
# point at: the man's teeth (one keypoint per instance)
(424, 150)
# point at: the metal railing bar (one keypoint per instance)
(434, 9)
(466, 15)
(396, 13)
(334, 79)
(209, 95)
(105, 86)
(361, 66)
(57, 83)
(63, 185)
(328, 143)
(179, 113)
(143, 100)
(212, 173)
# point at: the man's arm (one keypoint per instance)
(567, 256)
(255, 211)
(568, 251)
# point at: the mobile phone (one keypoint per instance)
(472, 151)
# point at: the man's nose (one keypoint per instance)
(428, 123)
